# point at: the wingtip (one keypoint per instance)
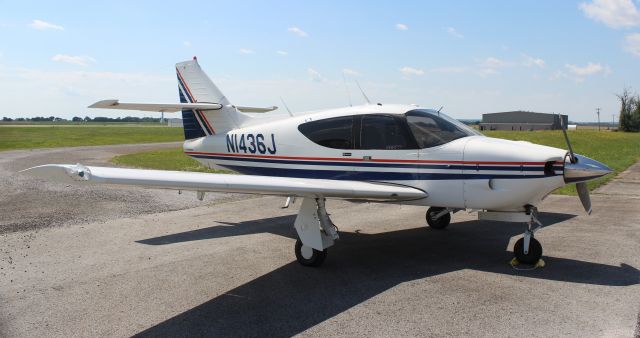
(58, 172)
(104, 104)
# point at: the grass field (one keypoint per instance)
(164, 159)
(617, 150)
(47, 136)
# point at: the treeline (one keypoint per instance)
(82, 119)
(629, 111)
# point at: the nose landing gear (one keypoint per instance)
(526, 249)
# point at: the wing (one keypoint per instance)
(155, 107)
(266, 185)
(172, 107)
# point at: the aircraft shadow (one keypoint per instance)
(293, 298)
(281, 225)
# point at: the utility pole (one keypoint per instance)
(613, 118)
(598, 112)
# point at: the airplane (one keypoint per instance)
(382, 153)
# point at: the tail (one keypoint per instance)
(194, 86)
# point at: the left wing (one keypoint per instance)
(159, 107)
(266, 185)
(173, 107)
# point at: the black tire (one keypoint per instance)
(534, 254)
(439, 223)
(316, 259)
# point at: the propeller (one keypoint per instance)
(581, 187)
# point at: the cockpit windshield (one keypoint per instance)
(431, 128)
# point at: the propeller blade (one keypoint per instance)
(572, 157)
(583, 193)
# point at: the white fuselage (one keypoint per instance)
(474, 172)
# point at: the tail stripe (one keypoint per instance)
(190, 97)
(195, 113)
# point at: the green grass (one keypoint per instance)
(617, 150)
(164, 159)
(45, 136)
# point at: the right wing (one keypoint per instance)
(266, 185)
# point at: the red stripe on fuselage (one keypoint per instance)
(363, 160)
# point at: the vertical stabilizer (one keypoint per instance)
(194, 86)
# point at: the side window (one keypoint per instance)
(431, 130)
(384, 132)
(334, 133)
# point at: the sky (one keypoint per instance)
(470, 57)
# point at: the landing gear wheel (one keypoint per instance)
(308, 256)
(531, 257)
(439, 223)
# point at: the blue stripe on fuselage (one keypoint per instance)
(367, 175)
(380, 165)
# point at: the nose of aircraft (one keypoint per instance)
(584, 169)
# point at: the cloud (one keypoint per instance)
(246, 51)
(530, 61)
(487, 71)
(297, 31)
(454, 33)
(633, 44)
(43, 25)
(492, 62)
(76, 60)
(315, 75)
(448, 70)
(186, 43)
(351, 72)
(281, 52)
(613, 13)
(401, 27)
(411, 71)
(589, 69)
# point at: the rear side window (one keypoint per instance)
(334, 133)
(384, 132)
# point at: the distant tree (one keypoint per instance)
(7, 119)
(77, 119)
(87, 119)
(629, 111)
(20, 119)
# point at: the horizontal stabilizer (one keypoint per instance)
(266, 185)
(256, 109)
(155, 107)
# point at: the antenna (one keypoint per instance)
(440, 109)
(286, 107)
(363, 94)
(344, 79)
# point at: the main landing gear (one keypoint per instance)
(316, 232)
(438, 217)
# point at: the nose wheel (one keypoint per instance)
(438, 218)
(530, 256)
(309, 256)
